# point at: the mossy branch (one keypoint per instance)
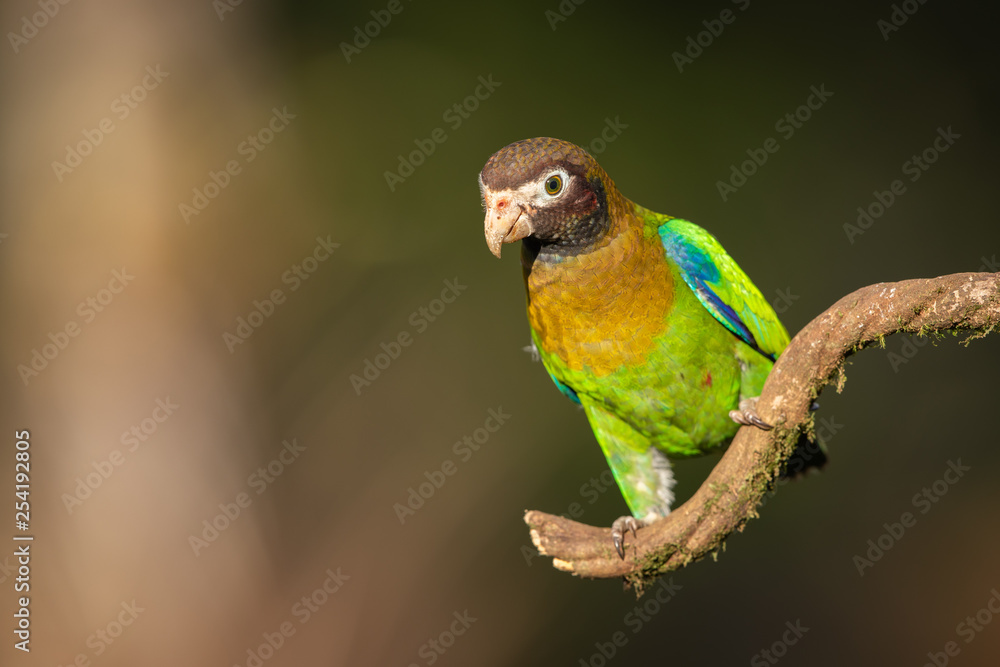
(747, 471)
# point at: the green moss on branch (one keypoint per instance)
(967, 302)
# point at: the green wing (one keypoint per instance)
(722, 286)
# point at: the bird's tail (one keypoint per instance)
(807, 455)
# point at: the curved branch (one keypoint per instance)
(747, 471)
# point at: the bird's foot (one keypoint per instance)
(622, 525)
(747, 414)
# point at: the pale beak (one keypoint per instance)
(505, 223)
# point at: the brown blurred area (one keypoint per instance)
(278, 406)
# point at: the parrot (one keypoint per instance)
(641, 318)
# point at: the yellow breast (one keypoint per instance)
(605, 308)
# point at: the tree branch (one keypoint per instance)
(748, 469)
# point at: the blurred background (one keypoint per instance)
(248, 315)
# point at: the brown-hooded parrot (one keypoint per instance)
(641, 318)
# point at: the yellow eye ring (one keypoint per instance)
(553, 184)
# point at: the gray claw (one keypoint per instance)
(747, 415)
(618, 530)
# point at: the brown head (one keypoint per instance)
(548, 190)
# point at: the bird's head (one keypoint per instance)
(544, 189)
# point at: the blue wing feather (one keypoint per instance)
(722, 286)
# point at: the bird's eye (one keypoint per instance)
(553, 184)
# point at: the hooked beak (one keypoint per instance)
(506, 222)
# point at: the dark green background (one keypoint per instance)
(464, 549)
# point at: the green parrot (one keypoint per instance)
(641, 318)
